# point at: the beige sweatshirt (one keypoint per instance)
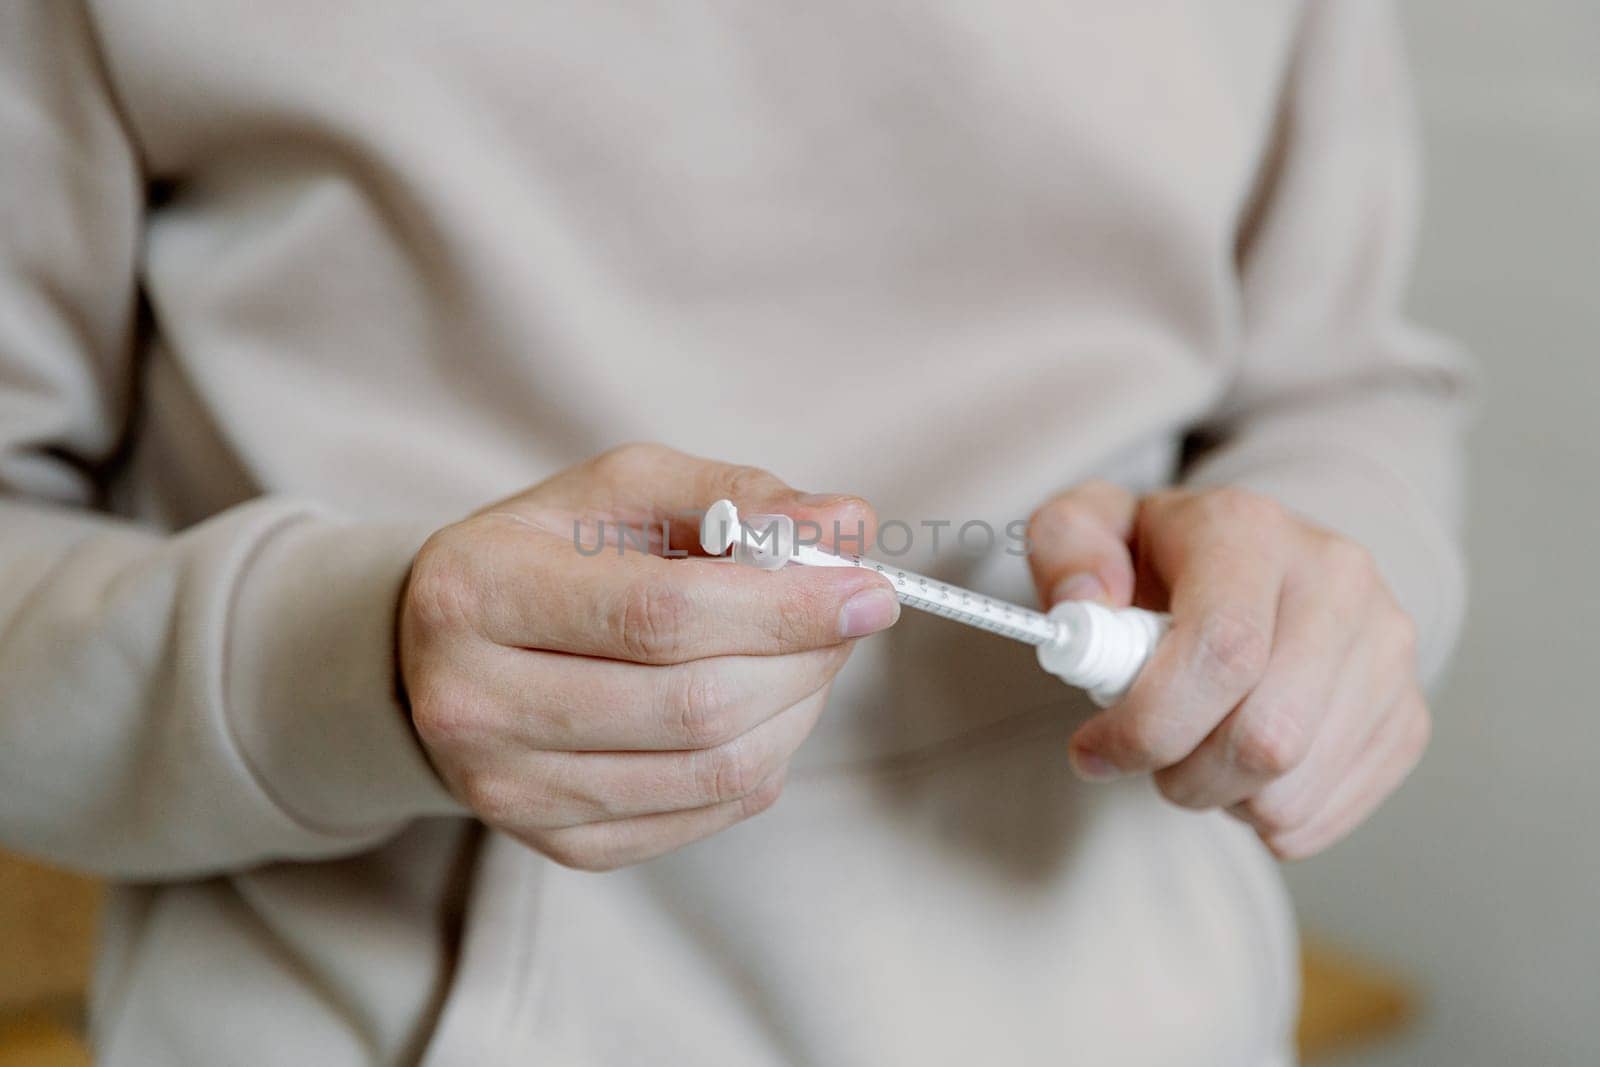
(285, 286)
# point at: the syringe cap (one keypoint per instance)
(719, 528)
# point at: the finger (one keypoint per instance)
(1078, 545)
(1371, 682)
(605, 846)
(570, 788)
(1274, 731)
(1392, 754)
(577, 703)
(523, 588)
(1225, 577)
(655, 487)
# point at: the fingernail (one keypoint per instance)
(1079, 587)
(868, 612)
(820, 500)
(1090, 767)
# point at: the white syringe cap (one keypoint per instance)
(764, 541)
(1099, 649)
(719, 528)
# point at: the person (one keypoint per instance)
(298, 302)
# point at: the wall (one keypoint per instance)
(1482, 878)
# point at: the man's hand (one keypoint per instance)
(608, 708)
(1286, 691)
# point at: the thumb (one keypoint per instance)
(1078, 545)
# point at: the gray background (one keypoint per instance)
(1481, 879)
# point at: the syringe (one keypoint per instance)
(1084, 644)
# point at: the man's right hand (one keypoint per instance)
(606, 708)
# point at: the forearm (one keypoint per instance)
(214, 699)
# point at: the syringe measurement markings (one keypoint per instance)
(1125, 638)
(977, 622)
(980, 612)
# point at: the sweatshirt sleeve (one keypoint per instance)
(1341, 410)
(170, 704)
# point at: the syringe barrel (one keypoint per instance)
(1083, 643)
(1101, 649)
(944, 599)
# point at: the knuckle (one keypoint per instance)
(1346, 561)
(624, 461)
(743, 484)
(445, 716)
(729, 772)
(704, 707)
(1058, 518)
(492, 798)
(856, 514)
(1151, 739)
(1233, 648)
(762, 797)
(1279, 814)
(1076, 514)
(1270, 744)
(1180, 790)
(442, 590)
(579, 850)
(1291, 848)
(651, 621)
(1234, 505)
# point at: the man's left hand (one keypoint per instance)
(1287, 689)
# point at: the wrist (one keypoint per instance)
(313, 687)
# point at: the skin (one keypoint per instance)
(606, 709)
(1287, 690)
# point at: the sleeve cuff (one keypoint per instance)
(310, 685)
